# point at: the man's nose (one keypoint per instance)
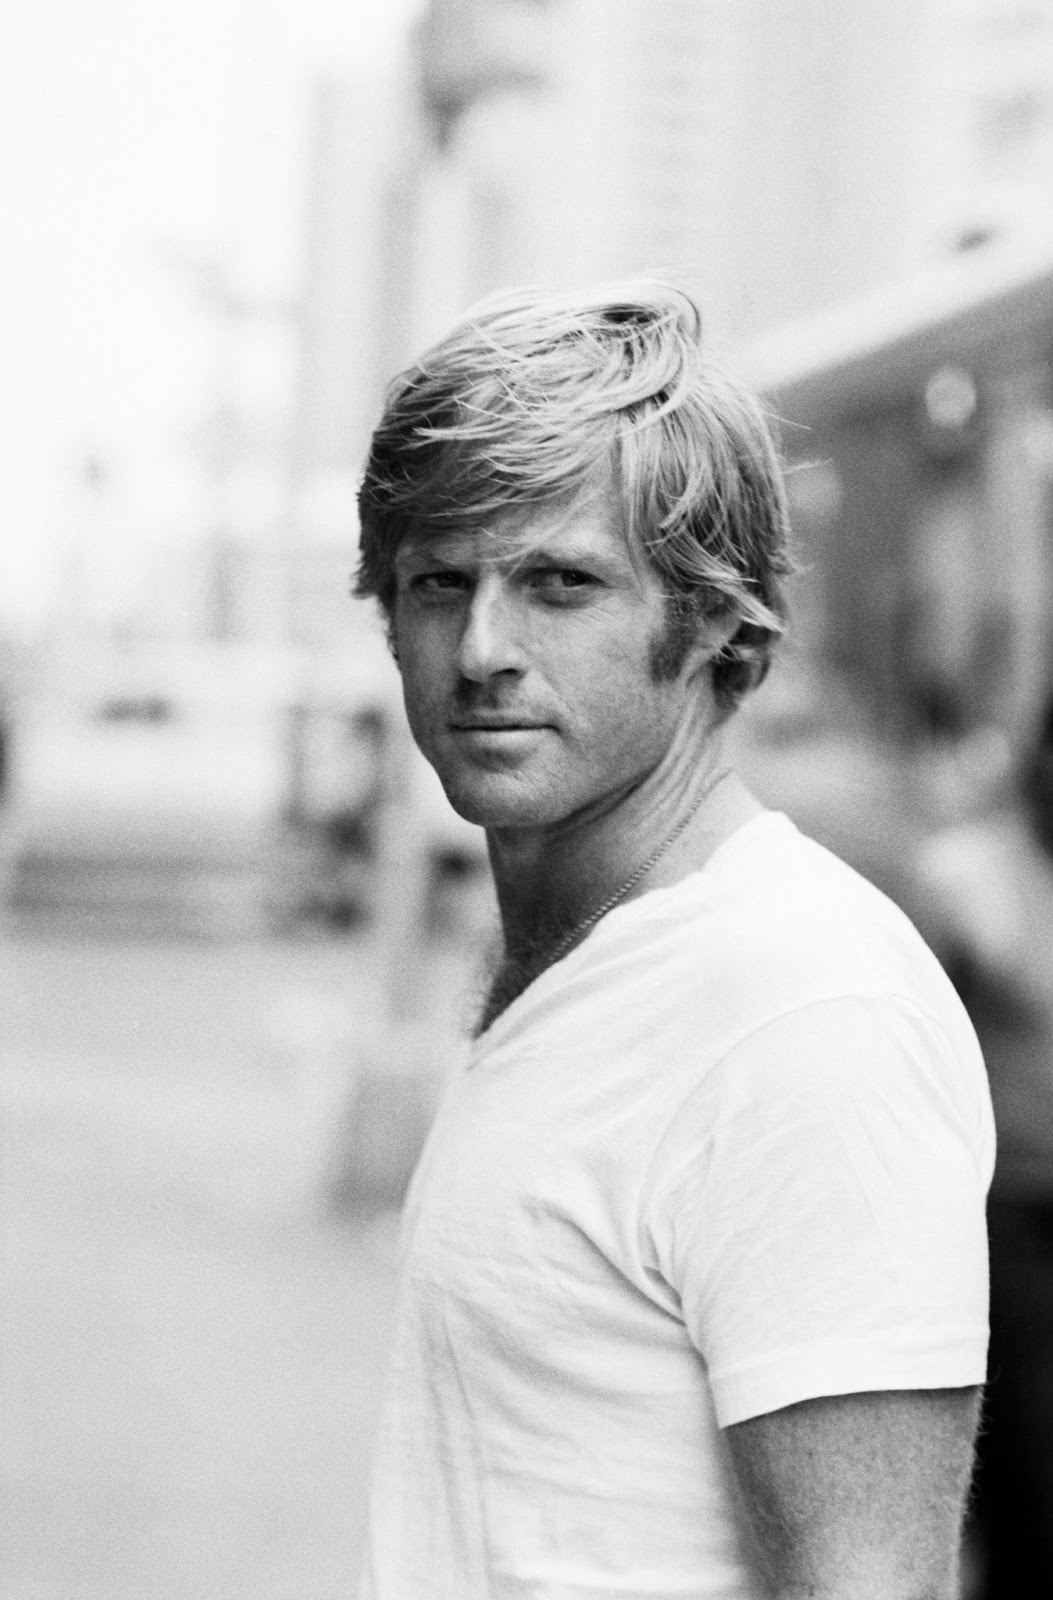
(492, 639)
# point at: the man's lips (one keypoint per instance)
(494, 724)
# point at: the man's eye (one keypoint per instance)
(562, 580)
(440, 583)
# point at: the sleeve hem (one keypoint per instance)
(957, 1362)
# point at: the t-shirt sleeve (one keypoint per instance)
(818, 1208)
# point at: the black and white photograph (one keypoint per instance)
(526, 800)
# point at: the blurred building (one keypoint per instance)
(355, 297)
(774, 158)
(921, 486)
(988, 138)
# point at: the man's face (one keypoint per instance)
(528, 677)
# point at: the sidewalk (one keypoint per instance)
(192, 1345)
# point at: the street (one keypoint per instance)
(193, 1341)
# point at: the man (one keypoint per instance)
(693, 1272)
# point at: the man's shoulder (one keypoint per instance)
(791, 925)
(787, 895)
(772, 851)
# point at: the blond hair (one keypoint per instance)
(536, 398)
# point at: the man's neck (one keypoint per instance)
(548, 891)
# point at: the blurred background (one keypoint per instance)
(239, 925)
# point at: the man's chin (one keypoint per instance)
(491, 801)
(492, 811)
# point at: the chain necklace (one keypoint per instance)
(580, 929)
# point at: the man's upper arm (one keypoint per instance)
(822, 1215)
(859, 1496)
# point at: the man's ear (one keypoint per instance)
(718, 630)
(712, 634)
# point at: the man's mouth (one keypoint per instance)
(493, 724)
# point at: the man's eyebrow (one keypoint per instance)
(571, 553)
(557, 551)
(567, 550)
(430, 554)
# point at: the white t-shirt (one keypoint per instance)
(730, 1153)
